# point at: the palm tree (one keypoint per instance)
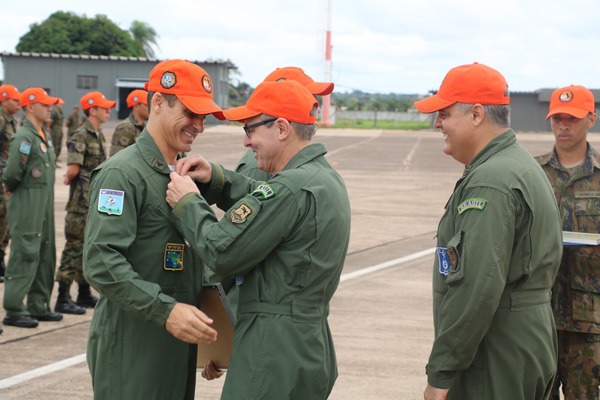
(144, 35)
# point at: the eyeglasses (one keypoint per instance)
(247, 128)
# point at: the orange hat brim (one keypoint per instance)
(433, 104)
(575, 112)
(201, 105)
(320, 88)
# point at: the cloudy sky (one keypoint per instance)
(382, 46)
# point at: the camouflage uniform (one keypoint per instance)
(86, 149)
(8, 127)
(73, 124)
(57, 129)
(126, 133)
(576, 292)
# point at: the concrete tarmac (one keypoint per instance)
(381, 322)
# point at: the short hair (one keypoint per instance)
(86, 112)
(499, 114)
(168, 96)
(303, 131)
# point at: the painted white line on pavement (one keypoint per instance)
(45, 370)
(387, 264)
(69, 362)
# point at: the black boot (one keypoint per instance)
(85, 298)
(64, 303)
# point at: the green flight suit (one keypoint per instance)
(125, 134)
(499, 250)
(139, 263)
(85, 148)
(576, 292)
(288, 238)
(247, 166)
(29, 176)
(8, 128)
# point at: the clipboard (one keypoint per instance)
(214, 303)
(580, 239)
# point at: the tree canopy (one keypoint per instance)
(67, 33)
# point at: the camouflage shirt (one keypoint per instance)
(8, 127)
(85, 148)
(57, 119)
(126, 133)
(576, 292)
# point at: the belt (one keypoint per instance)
(518, 300)
(296, 309)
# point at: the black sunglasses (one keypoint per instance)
(252, 126)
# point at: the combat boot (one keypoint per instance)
(64, 303)
(85, 298)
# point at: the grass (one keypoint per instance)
(380, 124)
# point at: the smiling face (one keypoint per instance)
(264, 142)
(181, 127)
(457, 127)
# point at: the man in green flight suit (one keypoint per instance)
(85, 151)
(287, 237)
(9, 106)
(146, 324)
(29, 177)
(499, 247)
(573, 168)
(127, 132)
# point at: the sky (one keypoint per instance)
(378, 46)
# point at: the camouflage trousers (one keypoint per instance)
(578, 366)
(71, 262)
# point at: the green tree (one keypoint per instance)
(68, 33)
(145, 36)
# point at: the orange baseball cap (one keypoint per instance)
(60, 101)
(96, 99)
(9, 92)
(471, 84)
(137, 96)
(283, 99)
(189, 82)
(297, 74)
(36, 95)
(574, 100)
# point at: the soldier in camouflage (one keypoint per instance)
(127, 132)
(56, 129)
(9, 100)
(73, 122)
(85, 152)
(573, 168)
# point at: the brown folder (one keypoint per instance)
(214, 303)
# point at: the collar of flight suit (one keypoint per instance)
(151, 154)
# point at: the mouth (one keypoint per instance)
(190, 134)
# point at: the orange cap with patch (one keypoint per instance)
(282, 99)
(9, 92)
(471, 84)
(189, 82)
(298, 75)
(96, 99)
(36, 95)
(574, 100)
(137, 96)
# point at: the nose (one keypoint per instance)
(247, 141)
(438, 122)
(199, 124)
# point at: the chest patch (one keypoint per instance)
(443, 260)
(111, 201)
(471, 204)
(173, 257)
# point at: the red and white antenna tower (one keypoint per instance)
(327, 99)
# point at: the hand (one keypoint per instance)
(179, 187)
(433, 393)
(210, 372)
(189, 324)
(196, 167)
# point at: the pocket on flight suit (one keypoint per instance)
(30, 244)
(453, 251)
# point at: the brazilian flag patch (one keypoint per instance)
(265, 191)
(470, 204)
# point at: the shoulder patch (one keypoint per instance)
(469, 204)
(25, 147)
(264, 190)
(240, 214)
(111, 201)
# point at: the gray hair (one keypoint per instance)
(304, 131)
(499, 114)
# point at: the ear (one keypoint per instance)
(478, 114)
(591, 120)
(157, 102)
(285, 128)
